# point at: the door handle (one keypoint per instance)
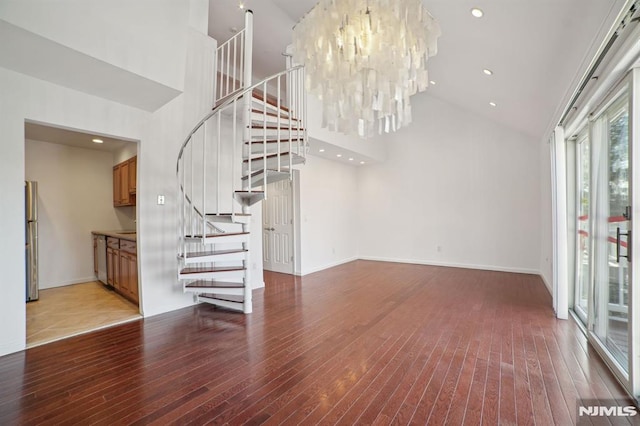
(618, 235)
(269, 229)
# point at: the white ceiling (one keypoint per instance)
(536, 48)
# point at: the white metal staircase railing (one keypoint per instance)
(230, 59)
(261, 128)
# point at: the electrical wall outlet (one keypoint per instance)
(161, 200)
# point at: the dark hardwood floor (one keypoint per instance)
(363, 343)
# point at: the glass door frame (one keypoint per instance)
(634, 194)
(583, 137)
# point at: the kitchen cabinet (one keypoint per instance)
(116, 186)
(95, 255)
(133, 176)
(122, 267)
(124, 183)
(112, 267)
(113, 262)
(128, 264)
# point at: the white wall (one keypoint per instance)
(546, 243)
(455, 190)
(328, 214)
(144, 37)
(75, 197)
(128, 151)
(372, 149)
(160, 135)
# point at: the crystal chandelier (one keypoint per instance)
(364, 59)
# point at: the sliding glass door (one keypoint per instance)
(602, 200)
(610, 227)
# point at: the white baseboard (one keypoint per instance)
(430, 263)
(546, 283)
(454, 265)
(44, 286)
(327, 266)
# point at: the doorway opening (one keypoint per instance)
(76, 194)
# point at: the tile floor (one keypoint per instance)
(66, 311)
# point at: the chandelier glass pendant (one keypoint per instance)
(364, 59)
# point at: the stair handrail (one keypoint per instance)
(225, 104)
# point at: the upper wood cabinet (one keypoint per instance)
(116, 186)
(124, 183)
(133, 171)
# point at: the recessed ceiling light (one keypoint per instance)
(432, 82)
(350, 159)
(241, 5)
(321, 150)
(338, 155)
(478, 13)
(487, 71)
(362, 162)
(97, 140)
(492, 104)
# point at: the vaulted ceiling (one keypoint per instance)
(535, 48)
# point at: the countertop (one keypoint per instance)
(122, 234)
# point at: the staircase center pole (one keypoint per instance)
(246, 136)
(248, 82)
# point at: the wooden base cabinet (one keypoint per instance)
(122, 267)
(128, 263)
(113, 253)
(95, 255)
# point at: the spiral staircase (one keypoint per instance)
(254, 136)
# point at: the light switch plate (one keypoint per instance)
(161, 200)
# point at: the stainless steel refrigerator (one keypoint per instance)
(31, 239)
